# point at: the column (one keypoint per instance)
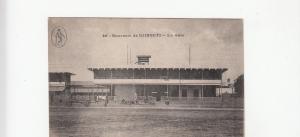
(167, 90)
(133, 85)
(221, 83)
(202, 95)
(110, 83)
(93, 94)
(179, 89)
(144, 90)
(168, 84)
(144, 84)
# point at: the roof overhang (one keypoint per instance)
(67, 73)
(158, 68)
(56, 88)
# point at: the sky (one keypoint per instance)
(213, 43)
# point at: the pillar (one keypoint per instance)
(110, 83)
(110, 89)
(202, 95)
(179, 88)
(145, 85)
(167, 90)
(144, 90)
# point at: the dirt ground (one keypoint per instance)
(132, 122)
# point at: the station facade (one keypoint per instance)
(162, 83)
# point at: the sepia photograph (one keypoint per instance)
(145, 77)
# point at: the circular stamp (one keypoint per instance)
(59, 36)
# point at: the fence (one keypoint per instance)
(209, 102)
(215, 102)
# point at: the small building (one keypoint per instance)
(59, 85)
(239, 86)
(225, 90)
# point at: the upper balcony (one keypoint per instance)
(159, 73)
(156, 82)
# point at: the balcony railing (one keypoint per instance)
(157, 81)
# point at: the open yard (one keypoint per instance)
(145, 122)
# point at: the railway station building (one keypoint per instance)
(159, 82)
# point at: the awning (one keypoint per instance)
(57, 88)
(90, 91)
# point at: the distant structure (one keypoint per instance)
(59, 81)
(59, 84)
(225, 90)
(239, 86)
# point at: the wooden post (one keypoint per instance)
(168, 84)
(110, 83)
(145, 73)
(111, 89)
(221, 85)
(219, 92)
(144, 94)
(202, 92)
(89, 94)
(179, 88)
(167, 90)
(133, 84)
(144, 83)
(93, 94)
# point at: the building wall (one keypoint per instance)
(60, 77)
(128, 92)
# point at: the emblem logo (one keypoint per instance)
(59, 37)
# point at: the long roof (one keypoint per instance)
(85, 84)
(57, 72)
(153, 67)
